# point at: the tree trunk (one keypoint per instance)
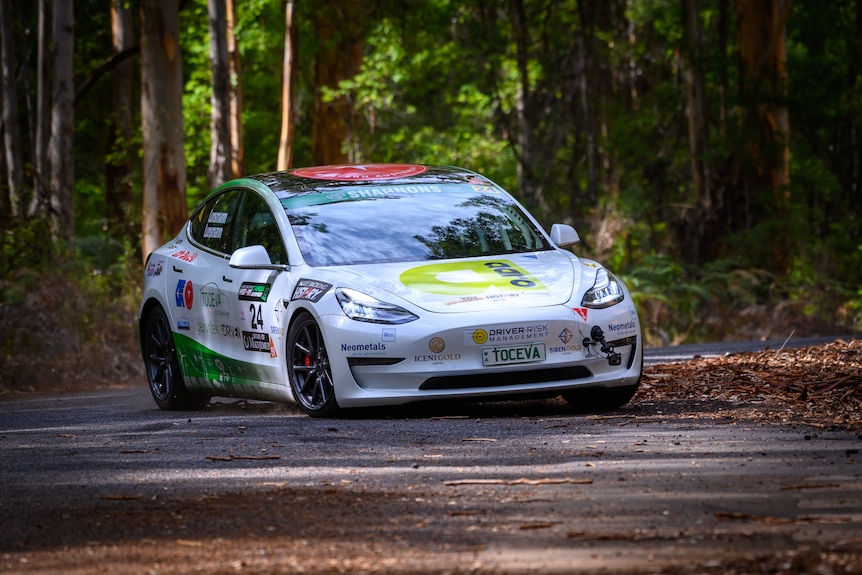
(60, 147)
(237, 149)
(855, 128)
(697, 221)
(40, 206)
(722, 24)
(584, 57)
(762, 49)
(338, 26)
(164, 188)
(220, 169)
(696, 104)
(285, 146)
(524, 110)
(11, 131)
(761, 36)
(118, 167)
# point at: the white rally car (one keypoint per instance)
(380, 284)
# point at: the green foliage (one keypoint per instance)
(69, 313)
(680, 305)
(421, 102)
(197, 78)
(440, 83)
(260, 30)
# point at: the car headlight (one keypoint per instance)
(606, 291)
(362, 307)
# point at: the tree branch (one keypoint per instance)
(112, 63)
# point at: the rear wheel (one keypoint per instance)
(600, 398)
(163, 369)
(308, 368)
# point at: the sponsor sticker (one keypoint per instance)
(565, 335)
(154, 270)
(437, 344)
(388, 334)
(256, 341)
(622, 327)
(212, 297)
(183, 324)
(185, 255)
(363, 347)
(565, 348)
(507, 333)
(254, 292)
(581, 312)
(437, 358)
(229, 331)
(185, 294)
(311, 290)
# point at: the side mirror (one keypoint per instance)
(564, 235)
(253, 258)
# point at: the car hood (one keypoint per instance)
(474, 284)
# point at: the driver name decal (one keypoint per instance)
(470, 278)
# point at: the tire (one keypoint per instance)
(600, 398)
(163, 368)
(308, 368)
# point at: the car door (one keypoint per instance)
(207, 304)
(257, 294)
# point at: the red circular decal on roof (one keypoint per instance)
(360, 172)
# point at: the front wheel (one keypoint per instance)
(308, 368)
(163, 368)
(600, 398)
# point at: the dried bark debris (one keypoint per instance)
(820, 385)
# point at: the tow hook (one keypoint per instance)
(598, 338)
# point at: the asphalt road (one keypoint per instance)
(526, 487)
(716, 349)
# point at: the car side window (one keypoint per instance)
(255, 225)
(212, 225)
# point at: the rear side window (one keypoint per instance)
(212, 225)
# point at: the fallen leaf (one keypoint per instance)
(521, 481)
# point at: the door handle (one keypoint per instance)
(176, 269)
(227, 279)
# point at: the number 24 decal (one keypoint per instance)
(256, 316)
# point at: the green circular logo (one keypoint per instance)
(470, 278)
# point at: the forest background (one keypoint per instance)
(709, 151)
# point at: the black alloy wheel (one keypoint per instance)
(308, 368)
(163, 369)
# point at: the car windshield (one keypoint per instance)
(399, 223)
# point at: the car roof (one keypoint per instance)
(300, 181)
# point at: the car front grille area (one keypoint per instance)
(502, 379)
(360, 361)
